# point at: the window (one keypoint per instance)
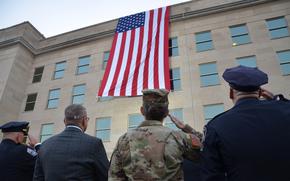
(79, 94)
(240, 35)
(103, 128)
(46, 132)
(176, 113)
(277, 27)
(53, 98)
(203, 41)
(37, 74)
(83, 66)
(105, 60)
(175, 81)
(284, 60)
(208, 74)
(249, 61)
(59, 70)
(30, 102)
(173, 47)
(210, 111)
(135, 120)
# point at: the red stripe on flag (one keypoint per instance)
(166, 59)
(156, 51)
(149, 43)
(138, 61)
(125, 80)
(118, 68)
(109, 65)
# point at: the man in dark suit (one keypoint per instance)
(249, 142)
(16, 159)
(72, 154)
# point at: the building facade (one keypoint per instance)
(40, 76)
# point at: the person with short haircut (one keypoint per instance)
(72, 154)
(153, 151)
(17, 159)
(249, 142)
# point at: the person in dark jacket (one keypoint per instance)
(249, 142)
(72, 154)
(16, 159)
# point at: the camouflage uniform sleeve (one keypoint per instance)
(190, 145)
(116, 171)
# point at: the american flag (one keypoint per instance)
(139, 55)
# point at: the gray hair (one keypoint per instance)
(75, 112)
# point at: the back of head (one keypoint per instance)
(155, 104)
(74, 113)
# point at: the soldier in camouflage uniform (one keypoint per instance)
(152, 151)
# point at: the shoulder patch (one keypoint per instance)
(31, 152)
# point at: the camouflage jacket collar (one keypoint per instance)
(150, 123)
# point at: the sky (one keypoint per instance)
(53, 17)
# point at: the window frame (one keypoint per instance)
(283, 63)
(85, 65)
(208, 74)
(73, 95)
(53, 98)
(204, 41)
(277, 28)
(170, 53)
(55, 71)
(104, 129)
(105, 61)
(31, 102)
(41, 135)
(36, 75)
(172, 79)
(240, 35)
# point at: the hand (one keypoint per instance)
(267, 94)
(32, 140)
(176, 121)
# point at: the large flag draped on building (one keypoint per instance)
(139, 55)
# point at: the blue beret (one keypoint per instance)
(15, 126)
(245, 79)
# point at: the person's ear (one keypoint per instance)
(142, 110)
(231, 93)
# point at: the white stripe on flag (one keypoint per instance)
(160, 52)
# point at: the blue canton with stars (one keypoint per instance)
(130, 22)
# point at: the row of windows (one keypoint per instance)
(208, 77)
(240, 35)
(103, 125)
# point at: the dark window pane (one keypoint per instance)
(278, 33)
(29, 106)
(37, 78)
(38, 70)
(31, 98)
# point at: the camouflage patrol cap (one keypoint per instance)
(155, 97)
